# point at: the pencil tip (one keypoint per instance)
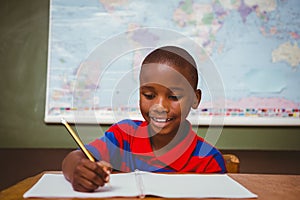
(63, 121)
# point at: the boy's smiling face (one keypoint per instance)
(166, 97)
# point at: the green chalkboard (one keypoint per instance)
(23, 62)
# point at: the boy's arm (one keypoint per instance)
(85, 175)
(216, 163)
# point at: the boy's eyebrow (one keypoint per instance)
(146, 87)
(170, 88)
(176, 88)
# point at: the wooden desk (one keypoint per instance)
(270, 187)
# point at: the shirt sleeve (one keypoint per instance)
(114, 146)
(216, 163)
(107, 147)
(210, 159)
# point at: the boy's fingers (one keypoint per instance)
(91, 172)
(85, 186)
(93, 177)
(105, 165)
(85, 182)
(107, 168)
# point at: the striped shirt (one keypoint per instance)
(127, 146)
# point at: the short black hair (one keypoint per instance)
(174, 56)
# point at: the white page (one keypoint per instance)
(55, 185)
(194, 186)
(164, 185)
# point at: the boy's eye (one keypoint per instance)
(175, 97)
(149, 96)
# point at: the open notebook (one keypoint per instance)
(141, 183)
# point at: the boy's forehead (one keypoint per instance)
(164, 74)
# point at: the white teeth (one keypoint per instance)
(160, 120)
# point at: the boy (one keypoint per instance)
(165, 141)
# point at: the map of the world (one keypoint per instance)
(253, 45)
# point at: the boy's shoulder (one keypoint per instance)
(124, 130)
(205, 148)
(130, 122)
(127, 125)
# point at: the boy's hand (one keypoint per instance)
(89, 175)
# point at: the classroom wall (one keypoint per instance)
(28, 145)
(23, 61)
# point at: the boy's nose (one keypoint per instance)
(161, 105)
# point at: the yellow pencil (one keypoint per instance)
(78, 141)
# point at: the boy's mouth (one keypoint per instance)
(161, 120)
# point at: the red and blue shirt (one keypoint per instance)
(127, 146)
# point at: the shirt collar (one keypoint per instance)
(141, 141)
(176, 158)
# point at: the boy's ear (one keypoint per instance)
(197, 99)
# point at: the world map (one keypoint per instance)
(254, 46)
